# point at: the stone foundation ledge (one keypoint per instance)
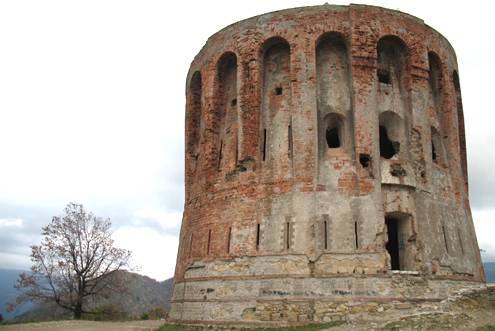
(274, 307)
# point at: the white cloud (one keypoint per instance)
(15, 261)
(155, 253)
(484, 222)
(165, 219)
(10, 222)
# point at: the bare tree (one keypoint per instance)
(75, 262)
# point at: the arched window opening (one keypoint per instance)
(334, 130)
(391, 132)
(333, 139)
(392, 60)
(387, 146)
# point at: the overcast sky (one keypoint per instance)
(92, 111)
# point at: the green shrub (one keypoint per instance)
(109, 312)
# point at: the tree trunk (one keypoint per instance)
(78, 311)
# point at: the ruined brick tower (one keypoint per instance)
(325, 163)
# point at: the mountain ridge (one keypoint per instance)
(143, 294)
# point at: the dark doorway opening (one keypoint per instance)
(392, 245)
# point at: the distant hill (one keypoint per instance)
(8, 293)
(489, 271)
(143, 294)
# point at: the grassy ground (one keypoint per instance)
(486, 328)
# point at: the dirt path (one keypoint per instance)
(85, 326)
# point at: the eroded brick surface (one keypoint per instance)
(324, 149)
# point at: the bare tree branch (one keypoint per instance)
(76, 260)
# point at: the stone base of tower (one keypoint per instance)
(298, 298)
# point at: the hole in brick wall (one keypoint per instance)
(333, 137)
(233, 102)
(278, 91)
(383, 76)
(387, 147)
(365, 160)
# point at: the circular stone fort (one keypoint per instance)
(325, 170)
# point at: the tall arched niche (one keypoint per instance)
(276, 121)
(226, 112)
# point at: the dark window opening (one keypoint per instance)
(433, 152)
(332, 136)
(356, 237)
(388, 148)
(264, 145)
(289, 138)
(383, 76)
(392, 245)
(287, 235)
(208, 245)
(257, 236)
(228, 240)
(365, 160)
(325, 231)
(220, 155)
(233, 102)
(278, 91)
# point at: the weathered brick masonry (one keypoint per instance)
(325, 168)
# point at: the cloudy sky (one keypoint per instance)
(92, 111)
